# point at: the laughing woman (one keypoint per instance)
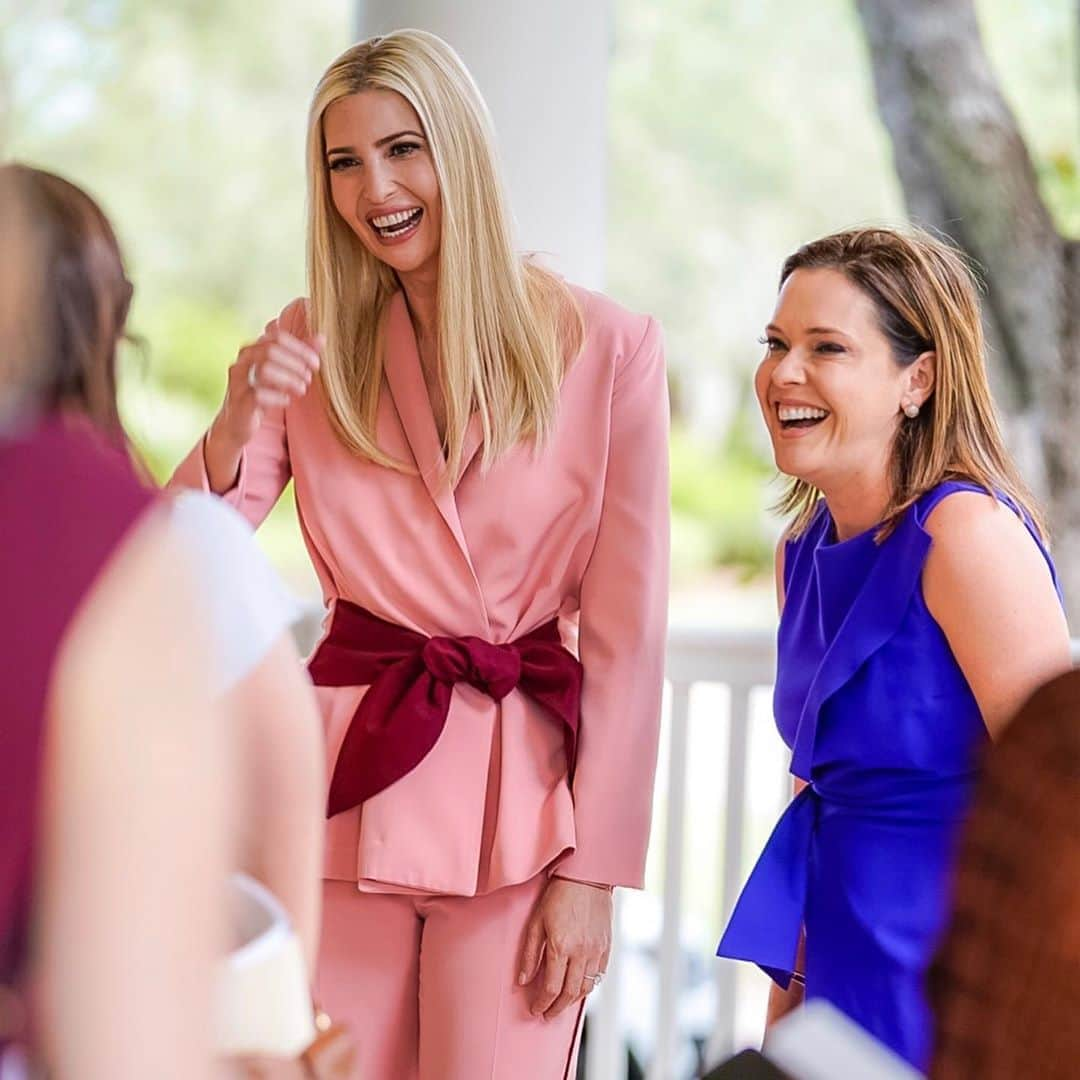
(919, 609)
(479, 457)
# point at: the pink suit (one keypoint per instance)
(579, 530)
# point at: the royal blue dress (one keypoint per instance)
(884, 727)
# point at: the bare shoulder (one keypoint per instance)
(989, 587)
(99, 643)
(974, 525)
(980, 543)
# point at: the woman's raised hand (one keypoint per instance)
(270, 373)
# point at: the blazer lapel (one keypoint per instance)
(405, 379)
(474, 438)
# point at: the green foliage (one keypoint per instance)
(194, 342)
(1033, 49)
(718, 517)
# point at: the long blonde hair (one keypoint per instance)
(926, 299)
(506, 327)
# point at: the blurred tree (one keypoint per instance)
(967, 169)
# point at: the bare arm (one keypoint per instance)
(135, 830)
(282, 811)
(989, 588)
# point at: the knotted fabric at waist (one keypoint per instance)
(767, 921)
(411, 679)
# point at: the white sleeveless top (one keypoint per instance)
(262, 999)
(249, 606)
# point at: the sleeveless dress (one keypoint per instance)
(66, 503)
(886, 731)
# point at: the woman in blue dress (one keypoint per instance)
(919, 608)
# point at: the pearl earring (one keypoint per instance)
(911, 410)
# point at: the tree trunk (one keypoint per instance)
(965, 170)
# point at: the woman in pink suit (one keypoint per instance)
(480, 462)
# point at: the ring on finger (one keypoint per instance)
(253, 376)
(594, 979)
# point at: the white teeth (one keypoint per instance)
(800, 412)
(390, 220)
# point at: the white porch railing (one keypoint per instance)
(741, 660)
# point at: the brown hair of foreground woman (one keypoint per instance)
(83, 312)
(1005, 987)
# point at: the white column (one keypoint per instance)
(542, 68)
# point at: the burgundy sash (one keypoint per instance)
(411, 679)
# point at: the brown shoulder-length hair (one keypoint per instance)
(926, 298)
(81, 298)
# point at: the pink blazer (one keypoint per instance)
(578, 530)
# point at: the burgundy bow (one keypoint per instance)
(411, 678)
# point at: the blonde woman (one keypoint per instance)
(919, 609)
(479, 457)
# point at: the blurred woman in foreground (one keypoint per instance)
(918, 609)
(113, 850)
(253, 659)
(1005, 985)
(272, 724)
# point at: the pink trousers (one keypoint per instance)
(428, 986)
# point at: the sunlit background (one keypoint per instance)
(737, 129)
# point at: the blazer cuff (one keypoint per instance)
(579, 881)
(191, 473)
(576, 867)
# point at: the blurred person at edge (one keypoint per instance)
(255, 660)
(919, 607)
(1005, 985)
(113, 846)
(278, 784)
(479, 456)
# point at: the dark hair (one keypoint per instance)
(83, 296)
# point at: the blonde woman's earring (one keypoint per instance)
(911, 410)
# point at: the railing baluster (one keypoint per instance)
(606, 1051)
(722, 1042)
(663, 1062)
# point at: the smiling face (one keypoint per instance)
(383, 181)
(830, 387)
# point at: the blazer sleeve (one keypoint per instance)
(264, 463)
(623, 631)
